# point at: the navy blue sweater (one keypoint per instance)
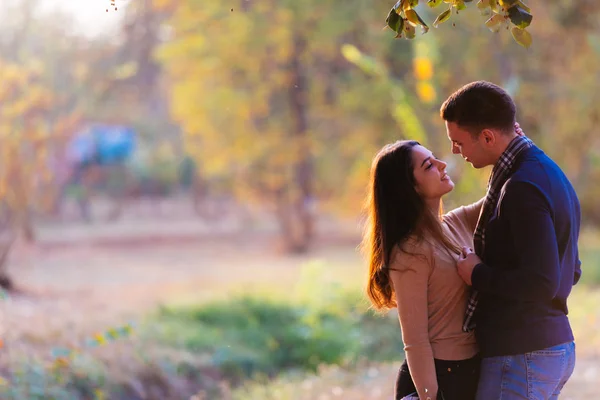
(530, 261)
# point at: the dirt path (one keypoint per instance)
(74, 290)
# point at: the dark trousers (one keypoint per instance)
(457, 380)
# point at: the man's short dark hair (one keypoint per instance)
(479, 105)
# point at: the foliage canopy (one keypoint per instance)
(510, 14)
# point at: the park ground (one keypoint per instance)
(79, 280)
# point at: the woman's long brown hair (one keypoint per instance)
(395, 212)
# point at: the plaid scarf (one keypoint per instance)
(500, 174)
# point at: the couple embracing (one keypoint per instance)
(481, 291)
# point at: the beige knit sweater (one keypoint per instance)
(432, 300)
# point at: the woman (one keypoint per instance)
(412, 253)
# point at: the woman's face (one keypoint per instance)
(432, 182)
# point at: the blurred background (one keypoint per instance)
(182, 183)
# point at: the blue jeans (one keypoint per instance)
(539, 375)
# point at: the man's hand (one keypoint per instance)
(466, 263)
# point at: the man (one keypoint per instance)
(526, 257)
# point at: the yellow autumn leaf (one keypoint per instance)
(125, 71)
(61, 362)
(81, 71)
(423, 68)
(494, 23)
(100, 338)
(483, 4)
(443, 17)
(426, 92)
(160, 5)
(412, 17)
(99, 395)
(521, 36)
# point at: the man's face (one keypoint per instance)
(466, 145)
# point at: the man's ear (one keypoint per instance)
(488, 137)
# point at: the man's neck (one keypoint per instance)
(503, 141)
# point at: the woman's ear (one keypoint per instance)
(418, 189)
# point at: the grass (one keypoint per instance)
(250, 335)
(589, 248)
(292, 333)
(182, 350)
(375, 380)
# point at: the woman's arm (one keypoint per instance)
(466, 215)
(409, 275)
(472, 212)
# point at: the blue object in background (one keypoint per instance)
(103, 144)
(115, 144)
(82, 149)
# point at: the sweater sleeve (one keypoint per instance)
(466, 216)
(410, 276)
(471, 213)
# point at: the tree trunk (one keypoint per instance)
(7, 238)
(285, 220)
(302, 215)
(6, 282)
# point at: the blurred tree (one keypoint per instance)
(43, 84)
(136, 72)
(267, 93)
(28, 132)
(251, 82)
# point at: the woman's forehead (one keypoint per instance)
(420, 153)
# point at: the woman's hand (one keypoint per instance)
(518, 129)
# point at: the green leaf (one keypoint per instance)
(521, 36)
(460, 5)
(414, 18)
(519, 17)
(434, 3)
(495, 22)
(393, 20)
(443, 17)
(400, 28)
